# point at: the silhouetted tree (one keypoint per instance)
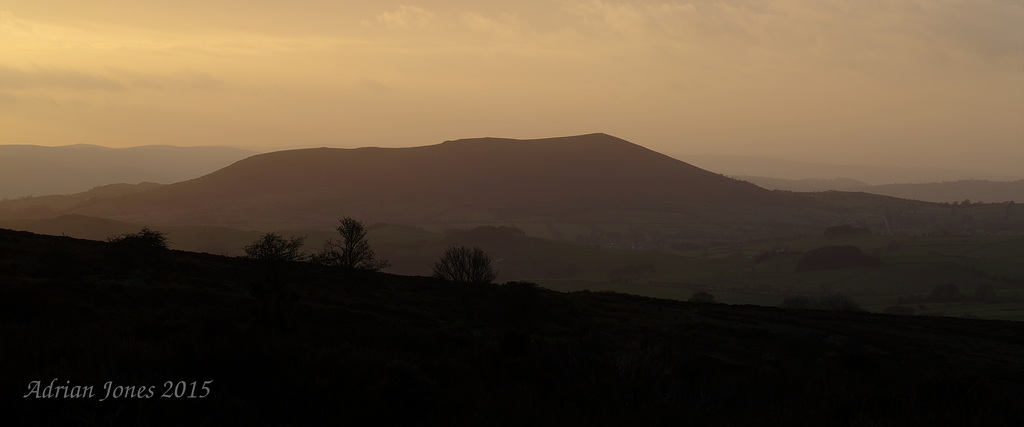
(465, 265)
(274, 247)
(704, 297)
(353, 251)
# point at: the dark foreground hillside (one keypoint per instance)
(301, 345)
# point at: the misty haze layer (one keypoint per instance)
(27, 170)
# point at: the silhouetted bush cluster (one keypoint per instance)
(138, 251)
(703, 297)
(145, 241)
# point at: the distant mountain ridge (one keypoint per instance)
(936, 192)
(805, 184)
(955, 191)
(31, 170)
(591, 189)
(754, 166)
(483, 179)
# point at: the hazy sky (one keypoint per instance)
(890, 82)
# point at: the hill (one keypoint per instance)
(333, 347)
(30, 170)
(588, 189)
(47, 206)
(466, 181)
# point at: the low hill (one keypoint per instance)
(31, 170)
(796, 170)
(47, 206)
(954, 191)
(805, 184)
(187, 338)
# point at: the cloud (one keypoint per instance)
(633, 19)
(976, 28)
(9, 99)
(9, 22)
(186, 80)
(506, 26)
(118, 80)
(989, 28)
(405, 18)
(372, 85)
(15, 78)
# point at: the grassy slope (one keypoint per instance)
(383, 349)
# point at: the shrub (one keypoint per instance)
(146, 240)
(703, 297)
(137, 249)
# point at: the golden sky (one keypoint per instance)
(894, 82)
